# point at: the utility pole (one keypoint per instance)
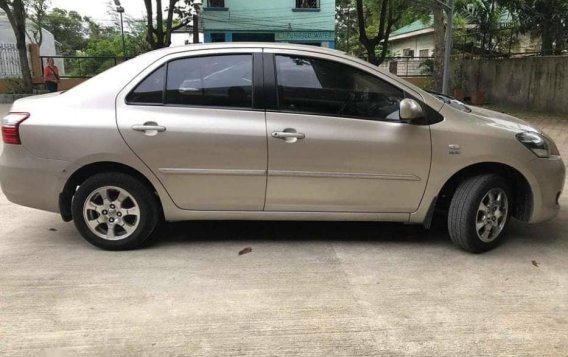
(195, 28)
(120, 10)
(447, 52)
(349, 29)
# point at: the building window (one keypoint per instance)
(407, 52)
(217, 37)
(424, 53)
(216, 3)
(307, 4)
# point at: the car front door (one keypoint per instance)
(194, 122)
(336, 143)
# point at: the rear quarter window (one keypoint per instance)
(150, 90)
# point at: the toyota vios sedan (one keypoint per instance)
(271, 132)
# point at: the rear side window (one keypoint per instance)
(316, 86)
(150, 90)
(214, 81)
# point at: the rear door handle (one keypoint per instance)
(149, 128)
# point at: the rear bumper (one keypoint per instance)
(29, 180)
(549, 176)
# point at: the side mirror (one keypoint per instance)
(410, 110)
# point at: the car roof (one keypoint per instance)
(236, 45)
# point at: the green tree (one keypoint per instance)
(159, 29)
(16, 12)
(107, 42)
(37, 11)
(68, 29)
(345, 25)
(547, 19)
(381, 19)
(494, 25)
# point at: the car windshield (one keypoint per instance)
(452, 102)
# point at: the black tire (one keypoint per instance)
(148, 218)
(464, 208)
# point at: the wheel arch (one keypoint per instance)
(86, 171)
(522, 193)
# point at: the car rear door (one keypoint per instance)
(196, 123)
(335, 141)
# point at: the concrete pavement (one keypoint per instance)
(308, 289)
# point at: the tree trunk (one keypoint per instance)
(386, 21)
(547, 40)
(439, 48)
(371, 55)
(150, 24)
(159, 25)
(560, 44)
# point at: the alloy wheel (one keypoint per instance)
(492, 215)
(111, 213)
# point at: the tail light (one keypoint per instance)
(11, 127)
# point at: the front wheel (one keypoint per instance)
(479, 213)
(115, 211)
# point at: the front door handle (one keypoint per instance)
(288, 135)
(149, 128)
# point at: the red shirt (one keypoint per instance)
(51, 74)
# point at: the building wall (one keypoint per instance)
(535, 83)
(278, 20)
(184, 38)
(416, 43)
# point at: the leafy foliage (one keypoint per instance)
(81, 36)
(547, 19)
(68, 29)
(159, 29)
(37, 11)
(15, 86)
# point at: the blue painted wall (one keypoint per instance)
(276, 19)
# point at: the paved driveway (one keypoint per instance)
(310, 289)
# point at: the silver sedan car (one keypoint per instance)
(271, 132)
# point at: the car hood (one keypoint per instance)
(501, 120)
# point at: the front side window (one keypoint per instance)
(307, 4)
(316, 86)
(217, 81)
(150, 90)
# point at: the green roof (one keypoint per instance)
(418, 25)
(415, 26)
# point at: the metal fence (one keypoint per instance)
(9, 61)
(408, 66)
(82, 66)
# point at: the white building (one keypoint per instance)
(414, 40)
(9, 60)
(184, 37)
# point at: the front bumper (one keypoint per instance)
(548, 178)
(29, 180)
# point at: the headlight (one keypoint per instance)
(541, 145)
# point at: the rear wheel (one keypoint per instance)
(479, 213)
(115, 211)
